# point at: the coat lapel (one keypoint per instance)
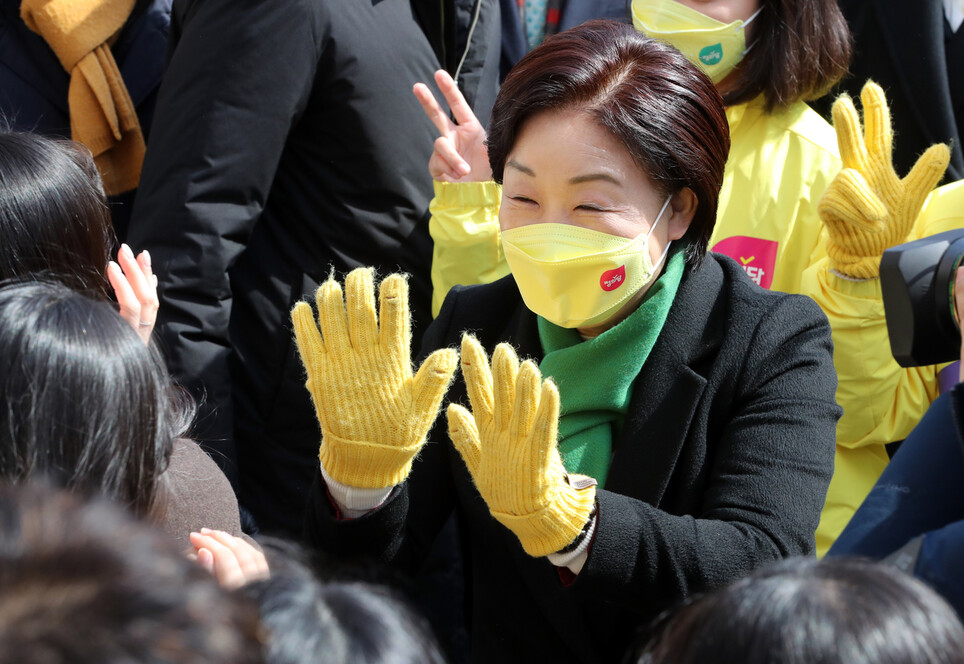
(669, 388)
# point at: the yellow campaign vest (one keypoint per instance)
(779, 166)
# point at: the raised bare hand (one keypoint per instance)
(460, 154)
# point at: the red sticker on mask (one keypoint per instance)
(612, 279)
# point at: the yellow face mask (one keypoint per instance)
(573, 276)
(711, 45)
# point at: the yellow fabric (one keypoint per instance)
(508, 443)
(881, 401)
(102, 115)
(779, 166)
(374, 414)
(465, 228)
(943, 211)
(868, 207)
(713, 46)
(574, 276)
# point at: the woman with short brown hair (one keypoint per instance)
(767, 58)
(686, 435)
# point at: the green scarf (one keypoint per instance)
(595, 377)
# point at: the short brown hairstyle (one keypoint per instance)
(800, 51)
(664, 110)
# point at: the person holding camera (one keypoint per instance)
(914, 515)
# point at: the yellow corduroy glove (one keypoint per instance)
(508, 442)
(374, 414)
(868, 208)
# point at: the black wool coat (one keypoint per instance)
(722, 466)
(901, 46)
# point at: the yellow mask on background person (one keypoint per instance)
(573, 276)
(713, 46)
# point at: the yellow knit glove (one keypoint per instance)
(508, 443)
(868, 208)
(374, 414)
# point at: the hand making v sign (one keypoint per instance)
(460, 154)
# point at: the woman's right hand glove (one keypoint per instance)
(868, 207)
(374, 414)
(508, 443)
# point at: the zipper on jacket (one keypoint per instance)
(468, 40)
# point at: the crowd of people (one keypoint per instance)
(249, 252)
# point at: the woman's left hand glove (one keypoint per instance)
(508, 442)
(868, 207)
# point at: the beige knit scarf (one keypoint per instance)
(102, 115)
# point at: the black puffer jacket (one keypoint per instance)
(287, 144)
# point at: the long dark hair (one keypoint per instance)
(308, 621)
(799, 51)
(83, 402)
(54, 219)
(665, 111)
(87, 583)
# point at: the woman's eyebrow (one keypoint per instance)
(519, 167)
(591, 177)
(578, 179)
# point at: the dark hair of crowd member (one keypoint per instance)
(801, 611)
(799, 50)
(54, 218)
(83, 402)
(86, 583)
(307, 621)
(660, 107)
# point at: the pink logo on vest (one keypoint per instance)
(612, 279)
(758, 257)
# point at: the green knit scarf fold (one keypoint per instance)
(595, 377)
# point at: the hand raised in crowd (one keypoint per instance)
(460, 154)
(868, 207)
(508, 443)
(374, 413)
(135, 287)
(233, 561)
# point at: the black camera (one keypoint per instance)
(917, 280)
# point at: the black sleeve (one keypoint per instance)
(239, 77)
(770, 472)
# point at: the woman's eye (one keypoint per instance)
(589, 207)
(522, 199)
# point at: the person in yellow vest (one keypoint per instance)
(783, 157)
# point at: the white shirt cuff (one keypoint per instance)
(353, 501)
(576, 558)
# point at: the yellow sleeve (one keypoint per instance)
(943, 211)
(881, 401)
(465, 229)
